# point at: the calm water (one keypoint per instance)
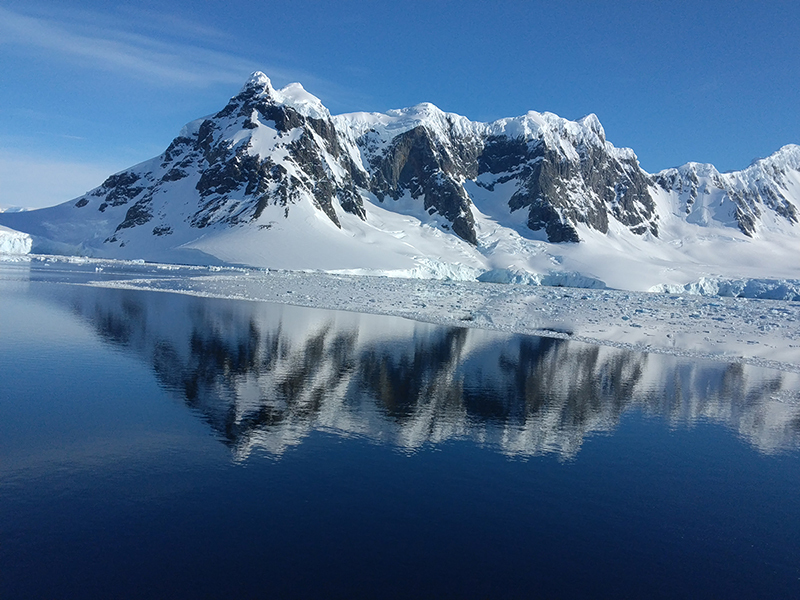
(159, 445)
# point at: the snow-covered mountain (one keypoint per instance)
(274, 180)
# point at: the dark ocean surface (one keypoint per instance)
(157, 445)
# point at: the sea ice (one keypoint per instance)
(751, 330)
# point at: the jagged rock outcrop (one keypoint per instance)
(418, 164)
(591, 188)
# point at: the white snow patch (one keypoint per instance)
(297, 97)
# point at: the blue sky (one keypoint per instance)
(87, 89)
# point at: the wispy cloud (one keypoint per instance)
(114, 49)
(173, 24)
(175, 50)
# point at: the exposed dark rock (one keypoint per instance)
(205, 137)
(543, 215)
(417, 164)
(225, 176)
(502, 154)
(175, 174)
(119, 189)
(177, 147)
(746, 221)
(138, 214)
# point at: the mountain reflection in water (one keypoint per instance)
(264, 376)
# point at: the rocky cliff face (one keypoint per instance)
(430, 170)
(564, 173)
(585, 182)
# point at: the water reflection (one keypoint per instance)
(264, 376)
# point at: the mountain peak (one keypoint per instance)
(307, 104)
(593, 123)
(787, 156)
(293, 95)
(258, 81)
(422, 112)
